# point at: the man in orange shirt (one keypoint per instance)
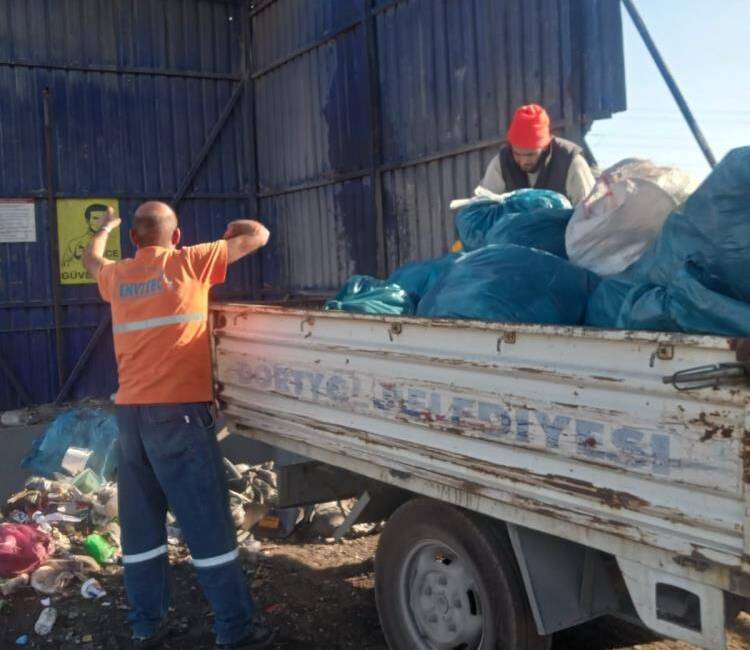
(168, 454)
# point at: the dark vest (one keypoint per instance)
(553, 171)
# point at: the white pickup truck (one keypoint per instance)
(532, 477)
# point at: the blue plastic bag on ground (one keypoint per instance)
(363, 294)
(542, 229)
(84, 428)
(418, 278)
(696, 276)
(511, 284)
(476, 219)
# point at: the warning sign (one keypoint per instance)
(77, 222)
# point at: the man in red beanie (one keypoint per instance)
(534, 158)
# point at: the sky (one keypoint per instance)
(706, 44)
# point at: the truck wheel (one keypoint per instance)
(445, 581)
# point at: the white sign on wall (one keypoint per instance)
(17, 222)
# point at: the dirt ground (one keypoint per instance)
(316, 595)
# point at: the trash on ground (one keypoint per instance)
(82, 428)
(18, 418)
(46, 621)
(100, 548)
(92, 590)
(12, 585)
(23, 548)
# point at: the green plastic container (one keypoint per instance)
(100, 548)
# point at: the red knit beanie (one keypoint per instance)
(530, 128)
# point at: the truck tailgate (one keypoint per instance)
(566, 430)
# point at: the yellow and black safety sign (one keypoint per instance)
(77, 221)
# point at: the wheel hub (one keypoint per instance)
(443, 600)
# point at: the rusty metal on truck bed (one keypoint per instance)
(570, 431)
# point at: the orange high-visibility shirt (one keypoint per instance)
(159, 304)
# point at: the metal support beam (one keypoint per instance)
(376, 139)
(306, 48)
(213, 135)
(113, 69)
(333, 179)
(53, 234)
(352, 517)
(84, 358)
(133, 196)
(671, 83)
(251, 143)
(326, 38)
(15, 382)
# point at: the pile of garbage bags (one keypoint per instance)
(645, 250)
(501, 241)
(477, 220)
(696, 275)
(624, 214)
(495, 283)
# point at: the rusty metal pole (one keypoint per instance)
(53, 237)
(671, 83)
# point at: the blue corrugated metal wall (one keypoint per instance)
(135, 88)
(361, 120)
(410, 99)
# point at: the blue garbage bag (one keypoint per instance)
(607, 300)
(542, 229)
(363, 294)
(688, 303)
(418, 278)
(696, 276)
(85, 428)
(712, 228)
(475, 220)
(511, 283)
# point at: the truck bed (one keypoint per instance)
(566, 430)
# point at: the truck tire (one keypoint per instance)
(444, 580)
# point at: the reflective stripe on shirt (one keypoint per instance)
(161, 321)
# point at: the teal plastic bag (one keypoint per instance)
(696, 276)
(363, 294)
(476, 220)
(512, 284)
(418, 278)
(542, 229)
(686, 304)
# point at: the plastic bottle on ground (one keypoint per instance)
(46, 621)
